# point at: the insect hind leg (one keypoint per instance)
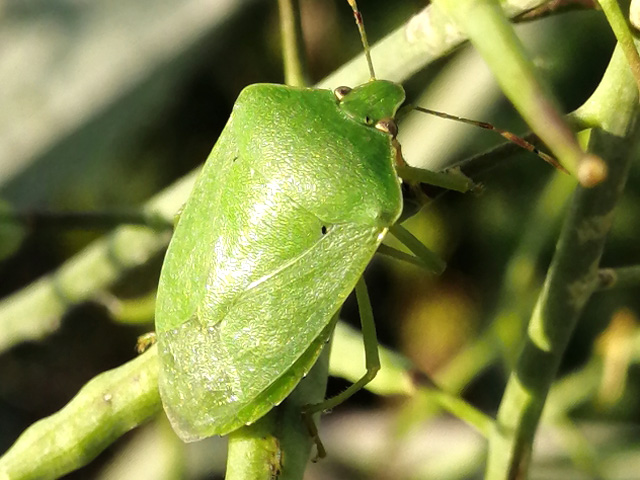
(372, 363)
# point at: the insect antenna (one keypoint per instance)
(513, 138)
(363, 36)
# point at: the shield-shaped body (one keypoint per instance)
(290, 207)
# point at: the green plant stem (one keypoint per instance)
(623, 277)
(292, 45)
(111, 404)
(278, 445)
(130, 311)
(34, 312)
(570, 282)
(87, 220)
(554, 7)
(463, 410)
(254, 451)
(620, 27)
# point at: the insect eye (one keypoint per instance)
(324, 230)
(387, 125)
(341, 92)
(368, 120)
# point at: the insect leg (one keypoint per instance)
(452, 179)
(424, 257)
(372, 359)
(372, 363)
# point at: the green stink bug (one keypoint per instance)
(302, 213)
(291, 205)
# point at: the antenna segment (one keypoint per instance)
(521, 142)
(363, 36)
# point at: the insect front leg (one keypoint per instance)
(451, 179)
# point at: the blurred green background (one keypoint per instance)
(104, 103)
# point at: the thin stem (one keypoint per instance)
(463, 410)
(292, 45)
(104, 409)
(278, 445)
(554, 7)
(620, 27)
(616, 278)
(35, 311)
(87, 220)
(571, 280)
